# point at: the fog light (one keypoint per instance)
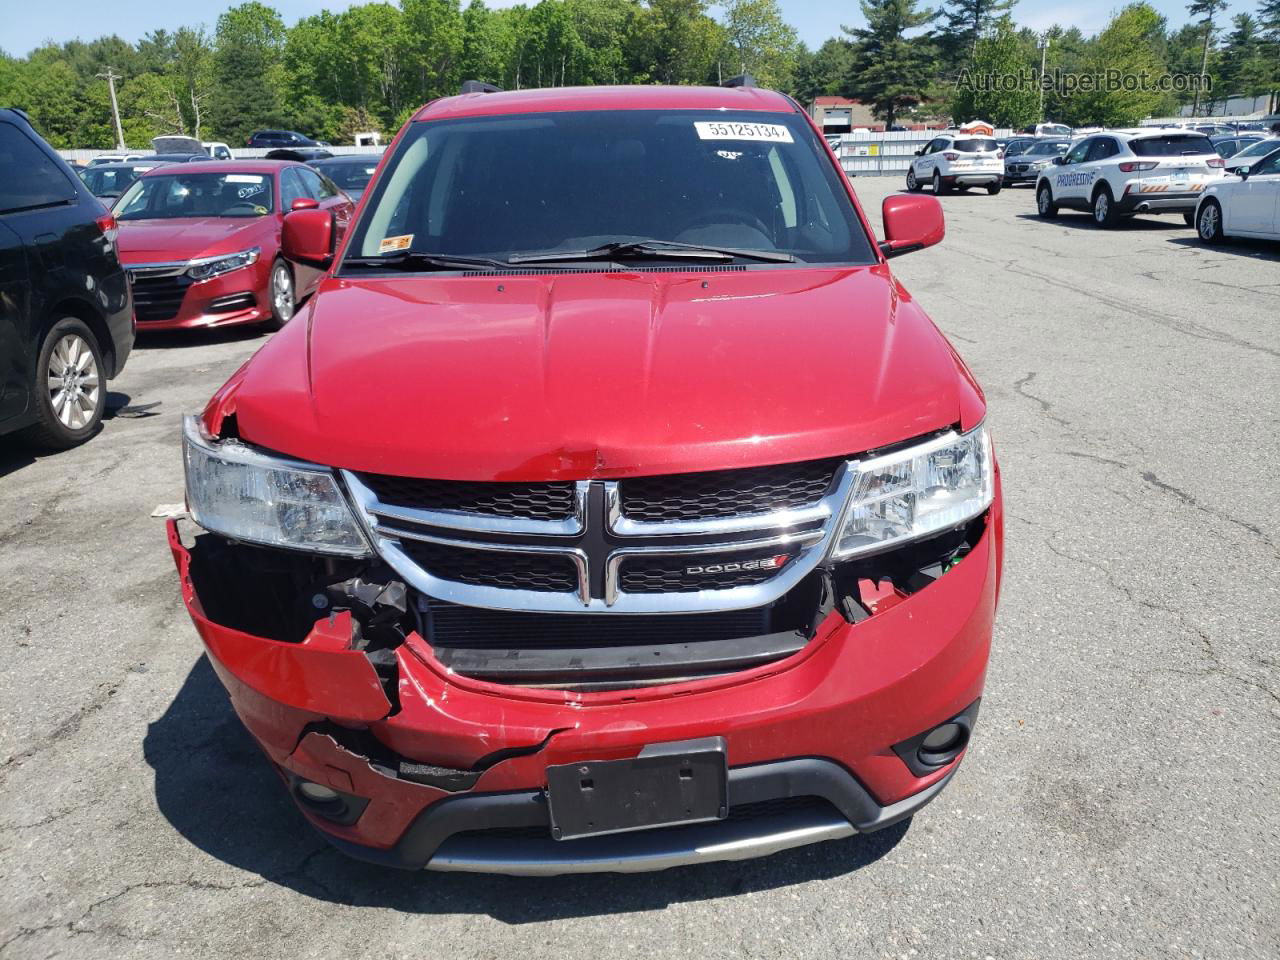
(943, 738)
(316, 792)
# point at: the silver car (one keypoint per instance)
(1026, 166)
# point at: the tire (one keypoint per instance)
(1104, 209)
(913, 185)
(994, 189)
(284, 297)
(1044, 202)
(938, 188)
(1209, 222)
(1189, 218)
(69, 391)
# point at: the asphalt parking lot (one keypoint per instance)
(1120, 799)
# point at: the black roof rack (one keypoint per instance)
(475, 86)
(741, 80)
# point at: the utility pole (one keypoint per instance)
(1044, 56)
(111, 77)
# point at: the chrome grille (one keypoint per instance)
(590, 555)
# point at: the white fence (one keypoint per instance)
(884, 154)
(240, 153)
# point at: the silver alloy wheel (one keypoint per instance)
(1043, 200)
(73, 382)
(1209, 222)
(282, 292)
(911, 179)
(1101, 206)
(937, 182)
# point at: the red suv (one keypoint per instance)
(201, 241)
(613, 506)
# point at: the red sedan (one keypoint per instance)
(201, 242)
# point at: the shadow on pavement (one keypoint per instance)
(1080, 220)
(170, 339)
(16, 452)
(215, 787)
(1240, 247)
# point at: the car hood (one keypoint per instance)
(154, 241)
(572, 376)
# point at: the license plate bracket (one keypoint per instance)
(665, 785)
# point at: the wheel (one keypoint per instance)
(68, 390)
(912, 183)
(1104, 208)
(1044, 202)
(282, 295)
(938, 188)
(993, 189)
(1209, 224)
(1189, 219)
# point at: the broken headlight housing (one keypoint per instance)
(915, 492)
(245, 494)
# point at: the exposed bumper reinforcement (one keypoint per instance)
(450, 834)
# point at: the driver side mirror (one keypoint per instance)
(1059, 161)
(308, 236)
(910, 223)
(920, 152)
(1244, 171)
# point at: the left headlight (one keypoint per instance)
(243, 493)
(916, 492)
(207, 268)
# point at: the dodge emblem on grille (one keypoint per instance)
(767, 563)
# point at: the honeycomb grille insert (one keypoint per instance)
(489, 568)
(723, 494)
(527, 501)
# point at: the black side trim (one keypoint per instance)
(909, 750)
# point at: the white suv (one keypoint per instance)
(1114, 174)
(958, 160)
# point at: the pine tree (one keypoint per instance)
(891, 71)
(1207, 10)
(964, 22)
(1269, 29)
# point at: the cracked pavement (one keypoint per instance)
(1120, 797)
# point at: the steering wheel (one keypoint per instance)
(727, 215)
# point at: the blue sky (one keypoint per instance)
(27, 24)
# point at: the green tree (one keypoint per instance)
(1128, 46)
(760, 41)
(676, 42)
(982, 90)
(1206, 10)
(822, 71)
(248, 71)
(1244, 71)
(963, 23)
(891, 71)
(1269, 33)
(430, 46)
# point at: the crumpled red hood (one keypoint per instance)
(572, 376)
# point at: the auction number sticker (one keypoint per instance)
(721, 130)
(245, 178)
(392, 244)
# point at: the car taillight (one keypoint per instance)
(1216, 162)
(110, 229)
(951, 156)
(1132, 165)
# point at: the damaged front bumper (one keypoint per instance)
(438, 770)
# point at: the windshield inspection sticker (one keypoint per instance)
(769, 132)
(392, 244)
(244, 178)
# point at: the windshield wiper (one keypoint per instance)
(417, 260)
(659, 249)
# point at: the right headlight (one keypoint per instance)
(915, 492)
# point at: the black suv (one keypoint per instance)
(280, 138)
(66, 313)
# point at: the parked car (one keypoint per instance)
(201, 241)
(957, 161)
(1251, 154)
(351, 173)
(1231, 144)
(66, 317)
(114, 158)
(107, 181)
(489, 548)
(1057, 130)
(1244, 205)
(1013, 146)
(1026, 167)
(1115, 175)
(160, 158)
(217, 150)
(300, 154)
(279, 138)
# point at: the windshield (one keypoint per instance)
(349, 176)
(1053, 149)
(109, 182)
(1172, 146)
(174, 195)
(1258, 149)
(496, 186)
